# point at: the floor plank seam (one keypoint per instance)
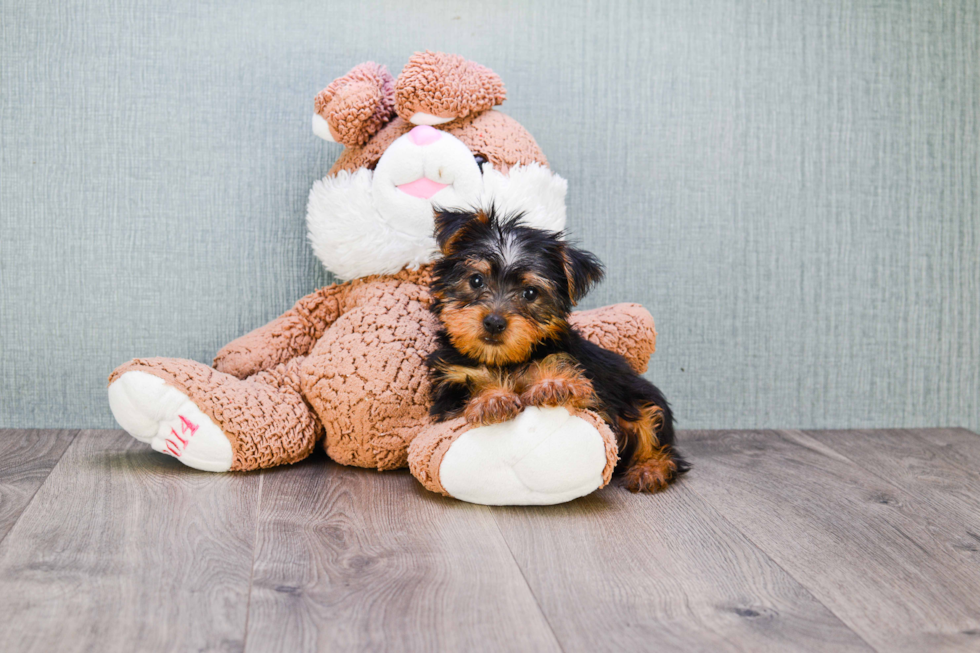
(251, 572)
(74, 436)
(530, 589)
(765, 553)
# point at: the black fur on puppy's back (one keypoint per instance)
(621, 390)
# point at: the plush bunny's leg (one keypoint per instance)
(213, 421)
(543, 456)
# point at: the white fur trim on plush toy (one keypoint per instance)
(352, 237)
(542, 457)
(533, 190)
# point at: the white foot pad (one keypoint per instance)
(543, 456)
(165, 418)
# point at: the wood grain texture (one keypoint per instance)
(621, 572)
(939, 469)
(123, 549)
(26, 459)
(349, 559)
(776, 541)
(957, 446)
(876, 552)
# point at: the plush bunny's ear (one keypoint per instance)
(354, 107)
(435, 88)
(582, 269)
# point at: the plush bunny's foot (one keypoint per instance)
(542, 457)
(211, 420)
(166, 419)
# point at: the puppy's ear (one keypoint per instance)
(451, 225)
(582, 269)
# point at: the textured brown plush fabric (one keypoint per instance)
(499, 138)
(608, 439)
(426, 451)
(354, 353)
(291, 334)
(356, 105)
(625, 328)
(368, 381)
(446, 86)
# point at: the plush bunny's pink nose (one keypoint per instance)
(424, 135)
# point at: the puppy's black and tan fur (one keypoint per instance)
(503, 293)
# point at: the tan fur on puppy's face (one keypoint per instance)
(464, 324)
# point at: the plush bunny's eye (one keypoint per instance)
(480, 160)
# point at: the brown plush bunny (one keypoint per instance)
(345, 366)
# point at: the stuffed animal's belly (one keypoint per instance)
(366, 379)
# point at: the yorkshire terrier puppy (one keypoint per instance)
(503, 293)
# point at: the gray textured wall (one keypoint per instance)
(790, 187)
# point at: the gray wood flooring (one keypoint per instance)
(777, 541)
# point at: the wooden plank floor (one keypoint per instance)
(777, 541)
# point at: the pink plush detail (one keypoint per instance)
(447, 86)
(424, 134)
(424, 188)
(358, 104)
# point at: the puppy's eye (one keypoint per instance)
(476, 281)
(530, 294)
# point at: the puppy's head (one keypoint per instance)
(502, 287)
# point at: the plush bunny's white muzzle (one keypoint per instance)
(378, 222)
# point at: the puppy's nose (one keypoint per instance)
(494, 324)
(423, 135)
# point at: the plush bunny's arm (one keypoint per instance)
(626, 329)
(291, 334)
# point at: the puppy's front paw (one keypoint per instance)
(493, 406)
(559, 391)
